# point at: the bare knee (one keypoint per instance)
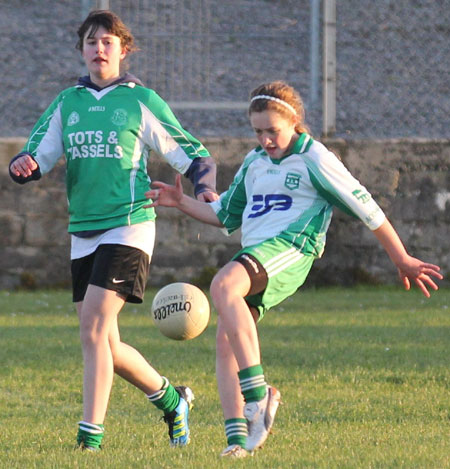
(88, 336)
(218, 288)
(92, 330)
(231, 281)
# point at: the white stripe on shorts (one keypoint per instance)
(282, 261)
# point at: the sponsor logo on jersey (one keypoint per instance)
(119, 117)
(96, 109)
(372, 215)
(292, 181)
(73, 119)
(265, 203)
(363, 197)
(92, 144)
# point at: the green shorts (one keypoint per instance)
(286, 269)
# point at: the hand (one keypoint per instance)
(412, 269)
(23, 166)
(164, 194)
(207, 196)
(409, 268)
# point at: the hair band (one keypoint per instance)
(277, 100)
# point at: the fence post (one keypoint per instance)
(103, 4)
(314, 54)
(329, 68)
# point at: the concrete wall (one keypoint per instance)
(409, 178)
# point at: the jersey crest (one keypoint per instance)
(119, 117)
(73, 118)
(292, 181)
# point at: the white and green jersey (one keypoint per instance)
(293, 198)
(106, 137)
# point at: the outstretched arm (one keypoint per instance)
(166, 195)
(409, 268)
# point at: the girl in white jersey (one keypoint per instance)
(106, 126)
(282, 199)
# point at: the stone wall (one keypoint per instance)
(409, 178)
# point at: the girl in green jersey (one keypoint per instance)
(282, 199)
(105, 126)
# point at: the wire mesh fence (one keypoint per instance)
(393, 66)
(205, 56)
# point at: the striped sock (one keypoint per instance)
(167, 398)
(90, 434)
(236, 432)
(253, 384)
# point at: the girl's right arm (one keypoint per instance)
(409, 268)
(166, 195)
(43, 148)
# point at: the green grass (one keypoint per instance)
(364, 375)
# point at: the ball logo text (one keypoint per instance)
(164, 311)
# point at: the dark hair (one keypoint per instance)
(281, 90)
(112, 23)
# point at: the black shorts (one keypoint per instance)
(116, 267)
(256, 272)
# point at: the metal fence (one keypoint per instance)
(205, 56)
(383, 74)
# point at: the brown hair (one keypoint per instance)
(112, 23)
(280, 90)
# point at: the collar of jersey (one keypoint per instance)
(125, 80)
(130, 84)
(301, 145)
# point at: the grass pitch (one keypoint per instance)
(364, 375)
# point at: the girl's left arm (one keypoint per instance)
(163, 132)
(202, 174)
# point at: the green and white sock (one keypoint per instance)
(236, 432)
(167, 398)
(253, 383)
(90, 434)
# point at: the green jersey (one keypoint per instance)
(106, 136)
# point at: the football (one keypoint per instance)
(180, 311)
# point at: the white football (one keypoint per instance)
(180, 311)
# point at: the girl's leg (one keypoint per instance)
(97, 313)
(104, 353)
(238, 364)
(230, 396)
(174, 402)
(227, 376)
(130, 365)
(228, 289)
